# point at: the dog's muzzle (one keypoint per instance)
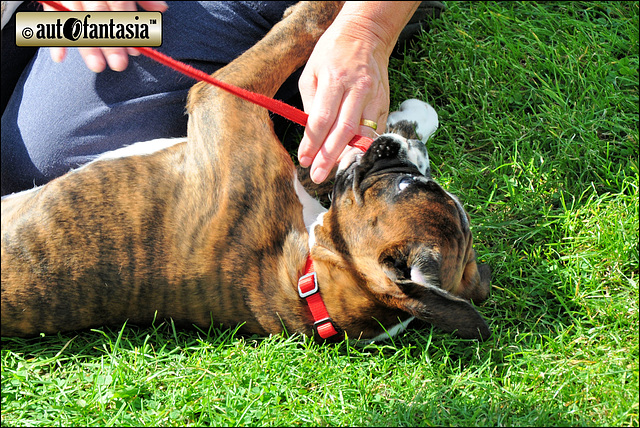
(388, 154)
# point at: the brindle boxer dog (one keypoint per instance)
(217, 228)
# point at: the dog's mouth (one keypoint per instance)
(384, 158)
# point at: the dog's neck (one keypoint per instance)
(312, 213)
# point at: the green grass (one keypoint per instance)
(538, 106)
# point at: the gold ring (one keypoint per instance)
(369, 123)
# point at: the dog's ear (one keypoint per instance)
(415, 288)
(442, 309)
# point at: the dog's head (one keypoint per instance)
(395, 244)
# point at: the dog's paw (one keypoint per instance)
(415, 111)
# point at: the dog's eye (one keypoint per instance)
(403, 269)
(397, 267)
(404, 183)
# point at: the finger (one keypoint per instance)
(93, 58)
(57, 54)
(379, 116)
(322, 116)
(121, 6)
(376, 111)
(370, 130)
(382, 122)
(117, 58)
(307, 85)
(345, 128)
(98, 58)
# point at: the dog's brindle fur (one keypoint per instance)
(211, 230)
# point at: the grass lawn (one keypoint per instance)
(538, 106)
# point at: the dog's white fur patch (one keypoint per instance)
(393, 331)
(312, 210)
(417, 111)
(413, 153)
(141, 148)
(136, 149)
(21, 193)
(417, 276)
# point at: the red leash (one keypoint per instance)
(283, 109)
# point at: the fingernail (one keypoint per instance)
(305, 161)
(318, 175)
(95, 63)
(117, 62)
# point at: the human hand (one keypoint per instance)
(98, 58)
(344, 81)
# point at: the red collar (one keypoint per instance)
(308, 290)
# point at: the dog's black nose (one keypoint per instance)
(383, 148)
(386, 155)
